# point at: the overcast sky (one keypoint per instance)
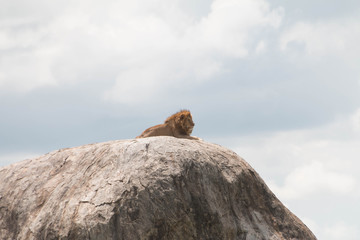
(276, 81)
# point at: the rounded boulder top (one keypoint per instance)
(148, 188)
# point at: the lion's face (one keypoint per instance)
(187, 123)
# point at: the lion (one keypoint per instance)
(179, 125)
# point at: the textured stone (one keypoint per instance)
(151, 188)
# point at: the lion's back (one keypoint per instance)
(158, 130)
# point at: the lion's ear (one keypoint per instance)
(182, 116)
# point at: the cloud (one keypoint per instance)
(261, 47)
(26, 71)
(314, 178)
(341, 231)
(195, 53)
(355, 121)
(228, 26)
(338, 230)
(323, 38)
(141, 47)
(300, 163)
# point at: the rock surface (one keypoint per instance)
(151, 188)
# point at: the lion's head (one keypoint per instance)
(182, 121)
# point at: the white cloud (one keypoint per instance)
(195, 53)
(300, 163)
(311, 179)
(335, 231)
(26, 71)
(338, 38)
(261, 47)
(145, 45)
(355, 120)
(340, 231)
(228, 26)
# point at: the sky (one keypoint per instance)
(276, 81)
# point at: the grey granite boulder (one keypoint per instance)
(150, 188)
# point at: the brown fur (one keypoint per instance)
(178, 125)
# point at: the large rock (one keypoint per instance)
(151, 188)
